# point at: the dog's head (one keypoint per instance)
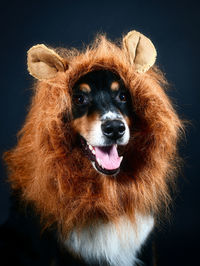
(100, 137)
(102, 109)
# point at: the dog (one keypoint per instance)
(98, 150)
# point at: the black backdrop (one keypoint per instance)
(173, 26)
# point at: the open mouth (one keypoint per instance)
(105, 158)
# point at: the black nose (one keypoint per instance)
(113, 129)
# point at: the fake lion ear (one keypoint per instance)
(44, 63)
(140, 50)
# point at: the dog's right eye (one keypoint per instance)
(80, 99)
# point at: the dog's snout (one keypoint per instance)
(113, 129)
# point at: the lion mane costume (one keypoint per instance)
(98, 217)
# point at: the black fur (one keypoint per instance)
(101, 99)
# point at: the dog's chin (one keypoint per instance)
(105, 159)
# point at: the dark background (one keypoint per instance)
(173, 26)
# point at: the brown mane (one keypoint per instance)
(50, 170)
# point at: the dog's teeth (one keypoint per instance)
(121, 158)
(94, 152)
(98, 161)
(90, 147)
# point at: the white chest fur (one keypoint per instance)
(116, 245)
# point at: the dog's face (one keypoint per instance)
(101, 107)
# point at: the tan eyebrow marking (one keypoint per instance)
(114, 86)
(85, 87)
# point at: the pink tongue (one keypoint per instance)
(108, 157)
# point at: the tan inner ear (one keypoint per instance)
(44, 63)
(140, 50)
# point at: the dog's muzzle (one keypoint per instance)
(104, 153)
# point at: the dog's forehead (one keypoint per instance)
(100, 79)
(101, 90)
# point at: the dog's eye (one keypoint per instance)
(80, 99)
(122, 97)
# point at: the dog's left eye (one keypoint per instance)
(122, 97)
(80, 99)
